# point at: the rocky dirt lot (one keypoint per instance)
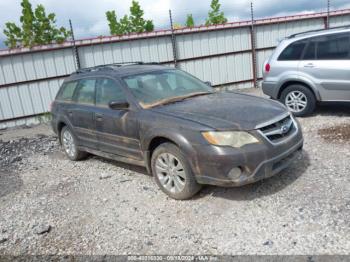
(50, 205)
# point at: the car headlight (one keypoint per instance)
(230, 138)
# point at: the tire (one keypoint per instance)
(179, 184)
(299, 100)
(72, 152)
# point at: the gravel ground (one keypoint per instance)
(50, 205)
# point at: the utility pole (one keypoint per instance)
(328, 12)
(173, 39)
(253, 40)
(75, 48)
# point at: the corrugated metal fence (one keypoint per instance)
(223, 54)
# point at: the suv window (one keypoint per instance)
(293, 51)
(108, 90)
(85, 93)
(67, 91)
(333, 47)
(310, 52)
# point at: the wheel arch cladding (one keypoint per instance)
(295, 82)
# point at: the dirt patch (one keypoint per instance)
(339, 133)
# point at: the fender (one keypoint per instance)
(172, 135)
(302, 79)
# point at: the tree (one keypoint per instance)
(129, 24)
(189, 21)
(36, 28)
(215, 16)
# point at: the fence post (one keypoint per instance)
(75, 48)
(328, 13)
(173, 39)
(253, 39)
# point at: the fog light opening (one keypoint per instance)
(235, 173)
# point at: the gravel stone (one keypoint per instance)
(42, 229)
(303, 210)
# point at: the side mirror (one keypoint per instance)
(208, 83)
(119, 105)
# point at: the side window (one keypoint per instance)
(292, 52)
(85, 93)
(108, 90)
(333, 47)
(310, 52)
(67, 91)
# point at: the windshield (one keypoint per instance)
(160, 87)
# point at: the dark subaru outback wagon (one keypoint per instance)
(175, 125)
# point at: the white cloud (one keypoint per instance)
(89, 19)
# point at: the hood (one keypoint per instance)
(225, 110)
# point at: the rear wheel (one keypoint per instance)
(172, 172)
(299, 100)
(70, 145)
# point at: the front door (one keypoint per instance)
(327, 62)
(117, 130)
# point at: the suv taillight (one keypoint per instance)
(267, 67)
(50, 107)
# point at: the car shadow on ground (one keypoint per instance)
(9, 182)
(264, 187)
(333, 109)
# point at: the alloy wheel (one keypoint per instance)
(170, 172)
(296, 101)
(68, 143)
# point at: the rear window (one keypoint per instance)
(85, 93)
(292, 52)
(67, 91)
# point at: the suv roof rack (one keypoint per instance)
(319, 30)
(112, 66)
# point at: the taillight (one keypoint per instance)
(50, 107)
(267, 68)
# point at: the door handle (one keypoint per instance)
(98, 117)
(309, 65)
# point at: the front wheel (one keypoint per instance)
(299, 100)
(173, 173)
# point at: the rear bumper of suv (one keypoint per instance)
(270, 89)
(232, 167)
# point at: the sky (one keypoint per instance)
(88, 16)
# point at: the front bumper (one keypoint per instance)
(213, 164)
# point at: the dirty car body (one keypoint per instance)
(206, 127)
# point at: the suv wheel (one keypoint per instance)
(172, 172)
(70, 146)
(299, 100)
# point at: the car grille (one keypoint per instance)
(279, 131)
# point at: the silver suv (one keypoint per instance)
(309, 67)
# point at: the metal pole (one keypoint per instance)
(252, 35)
(75, 48)
(173, 39)
(328, 12)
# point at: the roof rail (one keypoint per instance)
(319, 30)
(110, 66)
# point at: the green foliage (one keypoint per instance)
(189, 21)
(36, 28)
(129, 24)
(215, 16)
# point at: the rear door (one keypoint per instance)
(327, 62)
(117, 130)
(288, 61)
(82, 113)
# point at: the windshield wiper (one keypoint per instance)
(179, 98)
